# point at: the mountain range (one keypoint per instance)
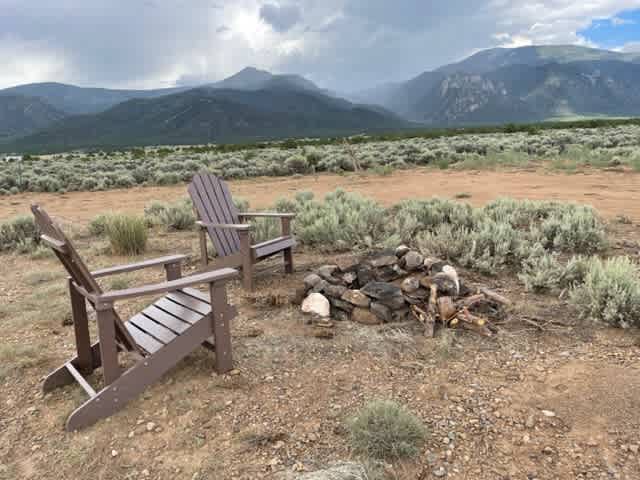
(522, 84)
(498, 85)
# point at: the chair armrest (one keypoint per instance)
(229, 226)
(266, 214)
(139, 265)
(105, 300)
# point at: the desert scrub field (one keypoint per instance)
(548, 246)
(560, 150)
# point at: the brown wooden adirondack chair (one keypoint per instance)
(219, 217)
(158, 337)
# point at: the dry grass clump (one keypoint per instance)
(385, 430)
(127, 234)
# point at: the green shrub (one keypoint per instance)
(387, 431)
(127, 234)
(610, 292)
(19, 234)
(343, 220)
(98, 225)
(297, 164)
(541, 270)
(173, 216)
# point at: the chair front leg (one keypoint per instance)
(81, 330)
(247, 259)
(221, 327)
(287, 253)
(204, 259)
(108, 347)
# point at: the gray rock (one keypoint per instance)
(341, 304)
(388, 273)
(402, 250)
(396, 302)
(340, 315)
(382, 260)
(335, 291)
(320, 286)
(381, 311)
(446, 284)
(365, 316)
(337, 471)
(316, 304)
(365, 274)
(381, 290)
(327, 271)
(312, 280)
(410, 284)
(400, 315)
(357, 298)
(399, 271)
(349, 277)
(433, 265)
(412, 261)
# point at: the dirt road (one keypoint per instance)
(612, 193)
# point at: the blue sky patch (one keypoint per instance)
(615, 31)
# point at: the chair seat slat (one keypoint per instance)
(146, 341)
(156, 330)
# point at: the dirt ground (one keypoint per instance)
(611, 192)
(557, 401)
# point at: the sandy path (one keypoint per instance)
(612, 193)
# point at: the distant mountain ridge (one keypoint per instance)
(73, 100)
(519, 85)
(20, 115)
(206, 115)
(498, 85)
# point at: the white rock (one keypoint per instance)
(453, 274)
(548, 413)
(318, 304)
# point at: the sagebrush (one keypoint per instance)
(385, 430)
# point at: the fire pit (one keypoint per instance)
(395, 285)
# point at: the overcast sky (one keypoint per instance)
(340, 44)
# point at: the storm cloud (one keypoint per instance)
(281, 18)
(341, 44)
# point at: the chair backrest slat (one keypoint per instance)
(213, 202)
(52, 235)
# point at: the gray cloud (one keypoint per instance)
(341, 44)
(281, 18)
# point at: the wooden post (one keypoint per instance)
(203, 247)
(108, 347)
(287, 253)
(221, 327)
(173, 271)
(247, 260)
(81, 329)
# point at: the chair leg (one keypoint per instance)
(247, 276)
(61, 376)
(108, 348)
(134, 380)
(247, 261)
(220, 317)
(288, 261)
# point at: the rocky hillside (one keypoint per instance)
(21, 115)
(519, 85)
